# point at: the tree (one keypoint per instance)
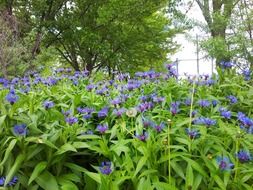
(217, 14)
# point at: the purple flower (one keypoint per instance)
(116, 101)
(204, 103)
(147, 123)
(11, 183)
(66, 113)
(71, 120)
(103, 112)
(90, 87)
(208, 122)
(192, 133)
(102, 128)
(142, 136)
(174, 107)
(194, 113)
(48, 104)
(244, 156)
(232, 99)
(12, 97)
(224, 163)
(158, 99)
(119, 112)
(247, 74)
(105, 168)
(159, 127)
(187, 102)
(226, 64)
(214, 103)
(145, 106)
(20, 130)
(225, 113)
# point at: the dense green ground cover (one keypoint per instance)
(71, 131)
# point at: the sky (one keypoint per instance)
(187, 55)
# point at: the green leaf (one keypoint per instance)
(80, 145)
(37, 170)
(219, 182)
(17, 164)
(95, 176)
(8, 151)
(2, 119)
(47, 181)
(189, 177)
(65, 148)
(140, 164)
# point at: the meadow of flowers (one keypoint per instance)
(151, 131)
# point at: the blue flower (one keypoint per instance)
(224, 163)
(244, 156)
(11, 183)
(71, 120)
(226, 64)
(159, 127)
(192, 133)
(103, 112)
(214, 103)
(174, 107)
(20, 130)
(225, 113)
(232, 99)
(48, 104)
(142, 136)
(105, 168)
(12, 97)
(102, 128)
(204, 103)
(119, 112)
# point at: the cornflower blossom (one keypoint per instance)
(119, 112)
(71, 120)
(192, 133)
(225, 113)
(232, 99)
(174, 107)
(142, 137)
(105, 168)
(20, 130)
(159, 127)
(12, 97)
(204, 103)
(48, 104)
(226, 64)
(102, 128)
(13, 181)
(103, 112)
(244, 156)
(224, 163)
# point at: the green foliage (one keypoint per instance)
(58, 155)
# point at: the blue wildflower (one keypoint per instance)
(48, 104)
(103, 112)
(192, 133)
(224, 163)
(71, 120)
(204, 103)
(159, 127)
(214, 103)
(232, 99)
(105, 168)
(244, 156)
(11, 183)
(20, 130)
(174, 107)
(119, 112)
(225, 113)
(226, 64)
(102, 128)
(142, 137)
(12, 97)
